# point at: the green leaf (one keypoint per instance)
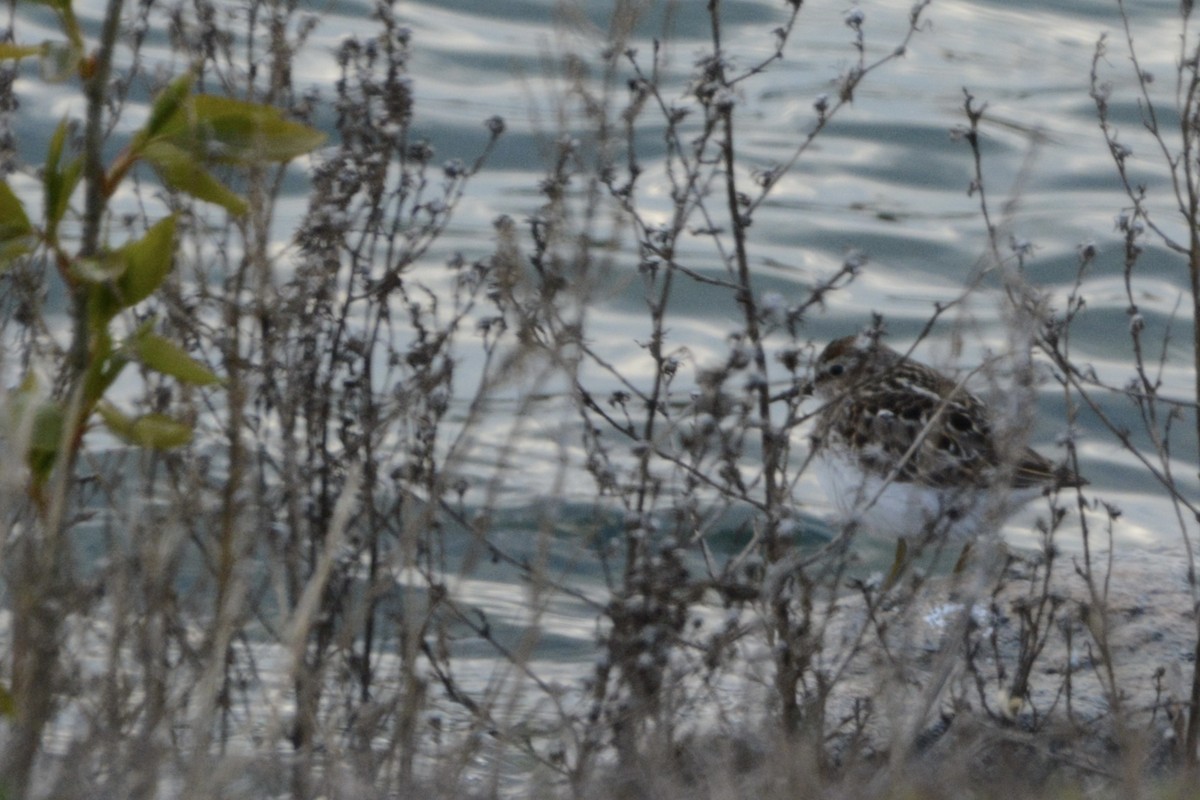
(147, 262)
(160, 432)
(13, 220)
(117, 422)
(16, 234)
(36, 422)
(12, 250)
(46, 434)
(226, 130)
(9, 50)
(52, 185)
(45, 438)
(103, 374)
(154, 431)
(125, 277)
(104, 364)
(103, 304)
(163, 355)
(58, 182)
(167, 106)
(182, 171)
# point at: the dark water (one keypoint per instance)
(886, 179)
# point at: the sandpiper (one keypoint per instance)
(908, 451)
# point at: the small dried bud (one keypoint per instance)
(772, 303)
(854, 262)
(1021, 247)
(420, 151)
(723, 99)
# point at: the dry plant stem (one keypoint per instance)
(95, 198)
(43, 591)
(1183, 166)
(298, 630)
(1029, 313)
(849, 83)
(1185, 183)
(790, 663)
(693, 176)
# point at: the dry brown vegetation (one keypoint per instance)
(287, 602)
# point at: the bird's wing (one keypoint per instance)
(954, 444)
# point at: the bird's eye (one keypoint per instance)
(836, 370)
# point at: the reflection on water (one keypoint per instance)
(886, 179)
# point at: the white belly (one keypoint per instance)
(905, 509)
